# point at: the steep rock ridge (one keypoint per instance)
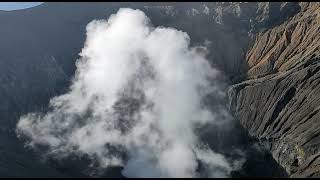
(287, 45)
(280, 101)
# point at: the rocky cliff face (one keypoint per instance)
(280, 100)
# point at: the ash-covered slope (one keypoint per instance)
(280, 102)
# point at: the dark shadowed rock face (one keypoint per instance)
(280, 102)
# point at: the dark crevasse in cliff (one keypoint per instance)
(48, 45)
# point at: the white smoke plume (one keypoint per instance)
(135, 102)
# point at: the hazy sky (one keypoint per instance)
(17, 5)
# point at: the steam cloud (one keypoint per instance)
(135, 101)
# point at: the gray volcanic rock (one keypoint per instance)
(283, 109)
(258, 15)
(280, 101)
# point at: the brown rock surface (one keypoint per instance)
(285, 46)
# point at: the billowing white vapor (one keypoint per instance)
(135, 101)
